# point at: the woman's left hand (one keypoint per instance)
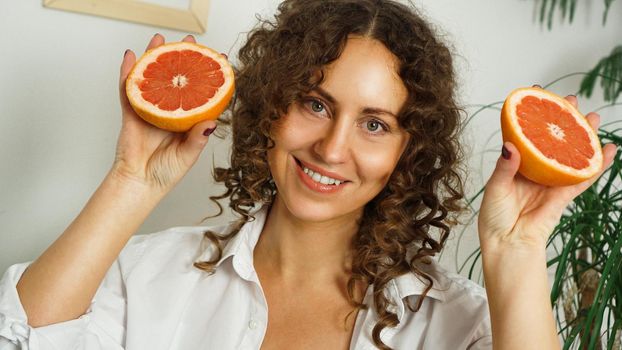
(519, 213)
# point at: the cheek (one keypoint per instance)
(295, 131)
(289, 135)
(377, 164)
(272, 155)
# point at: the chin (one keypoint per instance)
(309, 211)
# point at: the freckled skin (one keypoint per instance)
(337, 137)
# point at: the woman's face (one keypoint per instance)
(336, 148)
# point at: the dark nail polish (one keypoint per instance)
(505, 153)
(209, 131)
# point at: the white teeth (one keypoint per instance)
(323, 179)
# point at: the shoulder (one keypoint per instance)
(467, 300)
(452, 315)
(458, 289)
(174, 245)
(462, 285)
(453, 300)
(450, 294)
(174, 236)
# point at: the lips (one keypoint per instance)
(319, 180)
(320, 171)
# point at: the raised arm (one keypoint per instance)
(516, 219)
(149, 162)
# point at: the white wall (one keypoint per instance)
(59, 115)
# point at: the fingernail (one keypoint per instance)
(190, 36)
(537, 86)
(126, 51)
(209, 131)
(505, 153)
(575, 96)
(156, 34)
(225, 55)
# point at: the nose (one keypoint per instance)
(334, 146)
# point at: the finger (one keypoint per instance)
(573, 100)
(196, 140)
(502, 177)
(156, 41)
(593, 119)
(189, 39)
(609, 152)
(129, 58)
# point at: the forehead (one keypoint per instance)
(366, 73)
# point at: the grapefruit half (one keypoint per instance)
(557, 145)
(176, 85)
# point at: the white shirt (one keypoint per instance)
(154, 298)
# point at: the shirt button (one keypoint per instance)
(252, 324)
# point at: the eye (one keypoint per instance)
(316, 106)
(375, 126)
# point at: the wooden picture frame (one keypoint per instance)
(193, 19)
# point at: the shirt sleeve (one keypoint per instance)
(102, 326)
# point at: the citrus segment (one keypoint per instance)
(557, 145)
(177, 85)
(554, 132)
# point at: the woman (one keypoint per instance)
(344, 156)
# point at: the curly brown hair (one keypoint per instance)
(280, 63)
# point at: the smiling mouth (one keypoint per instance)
(318, 177)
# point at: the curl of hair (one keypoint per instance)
(280, 63)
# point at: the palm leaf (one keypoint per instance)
(548, 7)
(607, 7)
(567, 8)
(609, 69)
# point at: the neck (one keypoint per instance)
(299, 251)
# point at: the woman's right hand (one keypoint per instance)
(60, 284)
(149, 155)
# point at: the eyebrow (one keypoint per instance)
(368, 110)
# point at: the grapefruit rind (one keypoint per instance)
(548, 171)
(179, 120)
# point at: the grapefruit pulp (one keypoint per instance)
(176, 85)
(557, 145)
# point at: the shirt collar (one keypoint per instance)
(242, 245)
(409, 285)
